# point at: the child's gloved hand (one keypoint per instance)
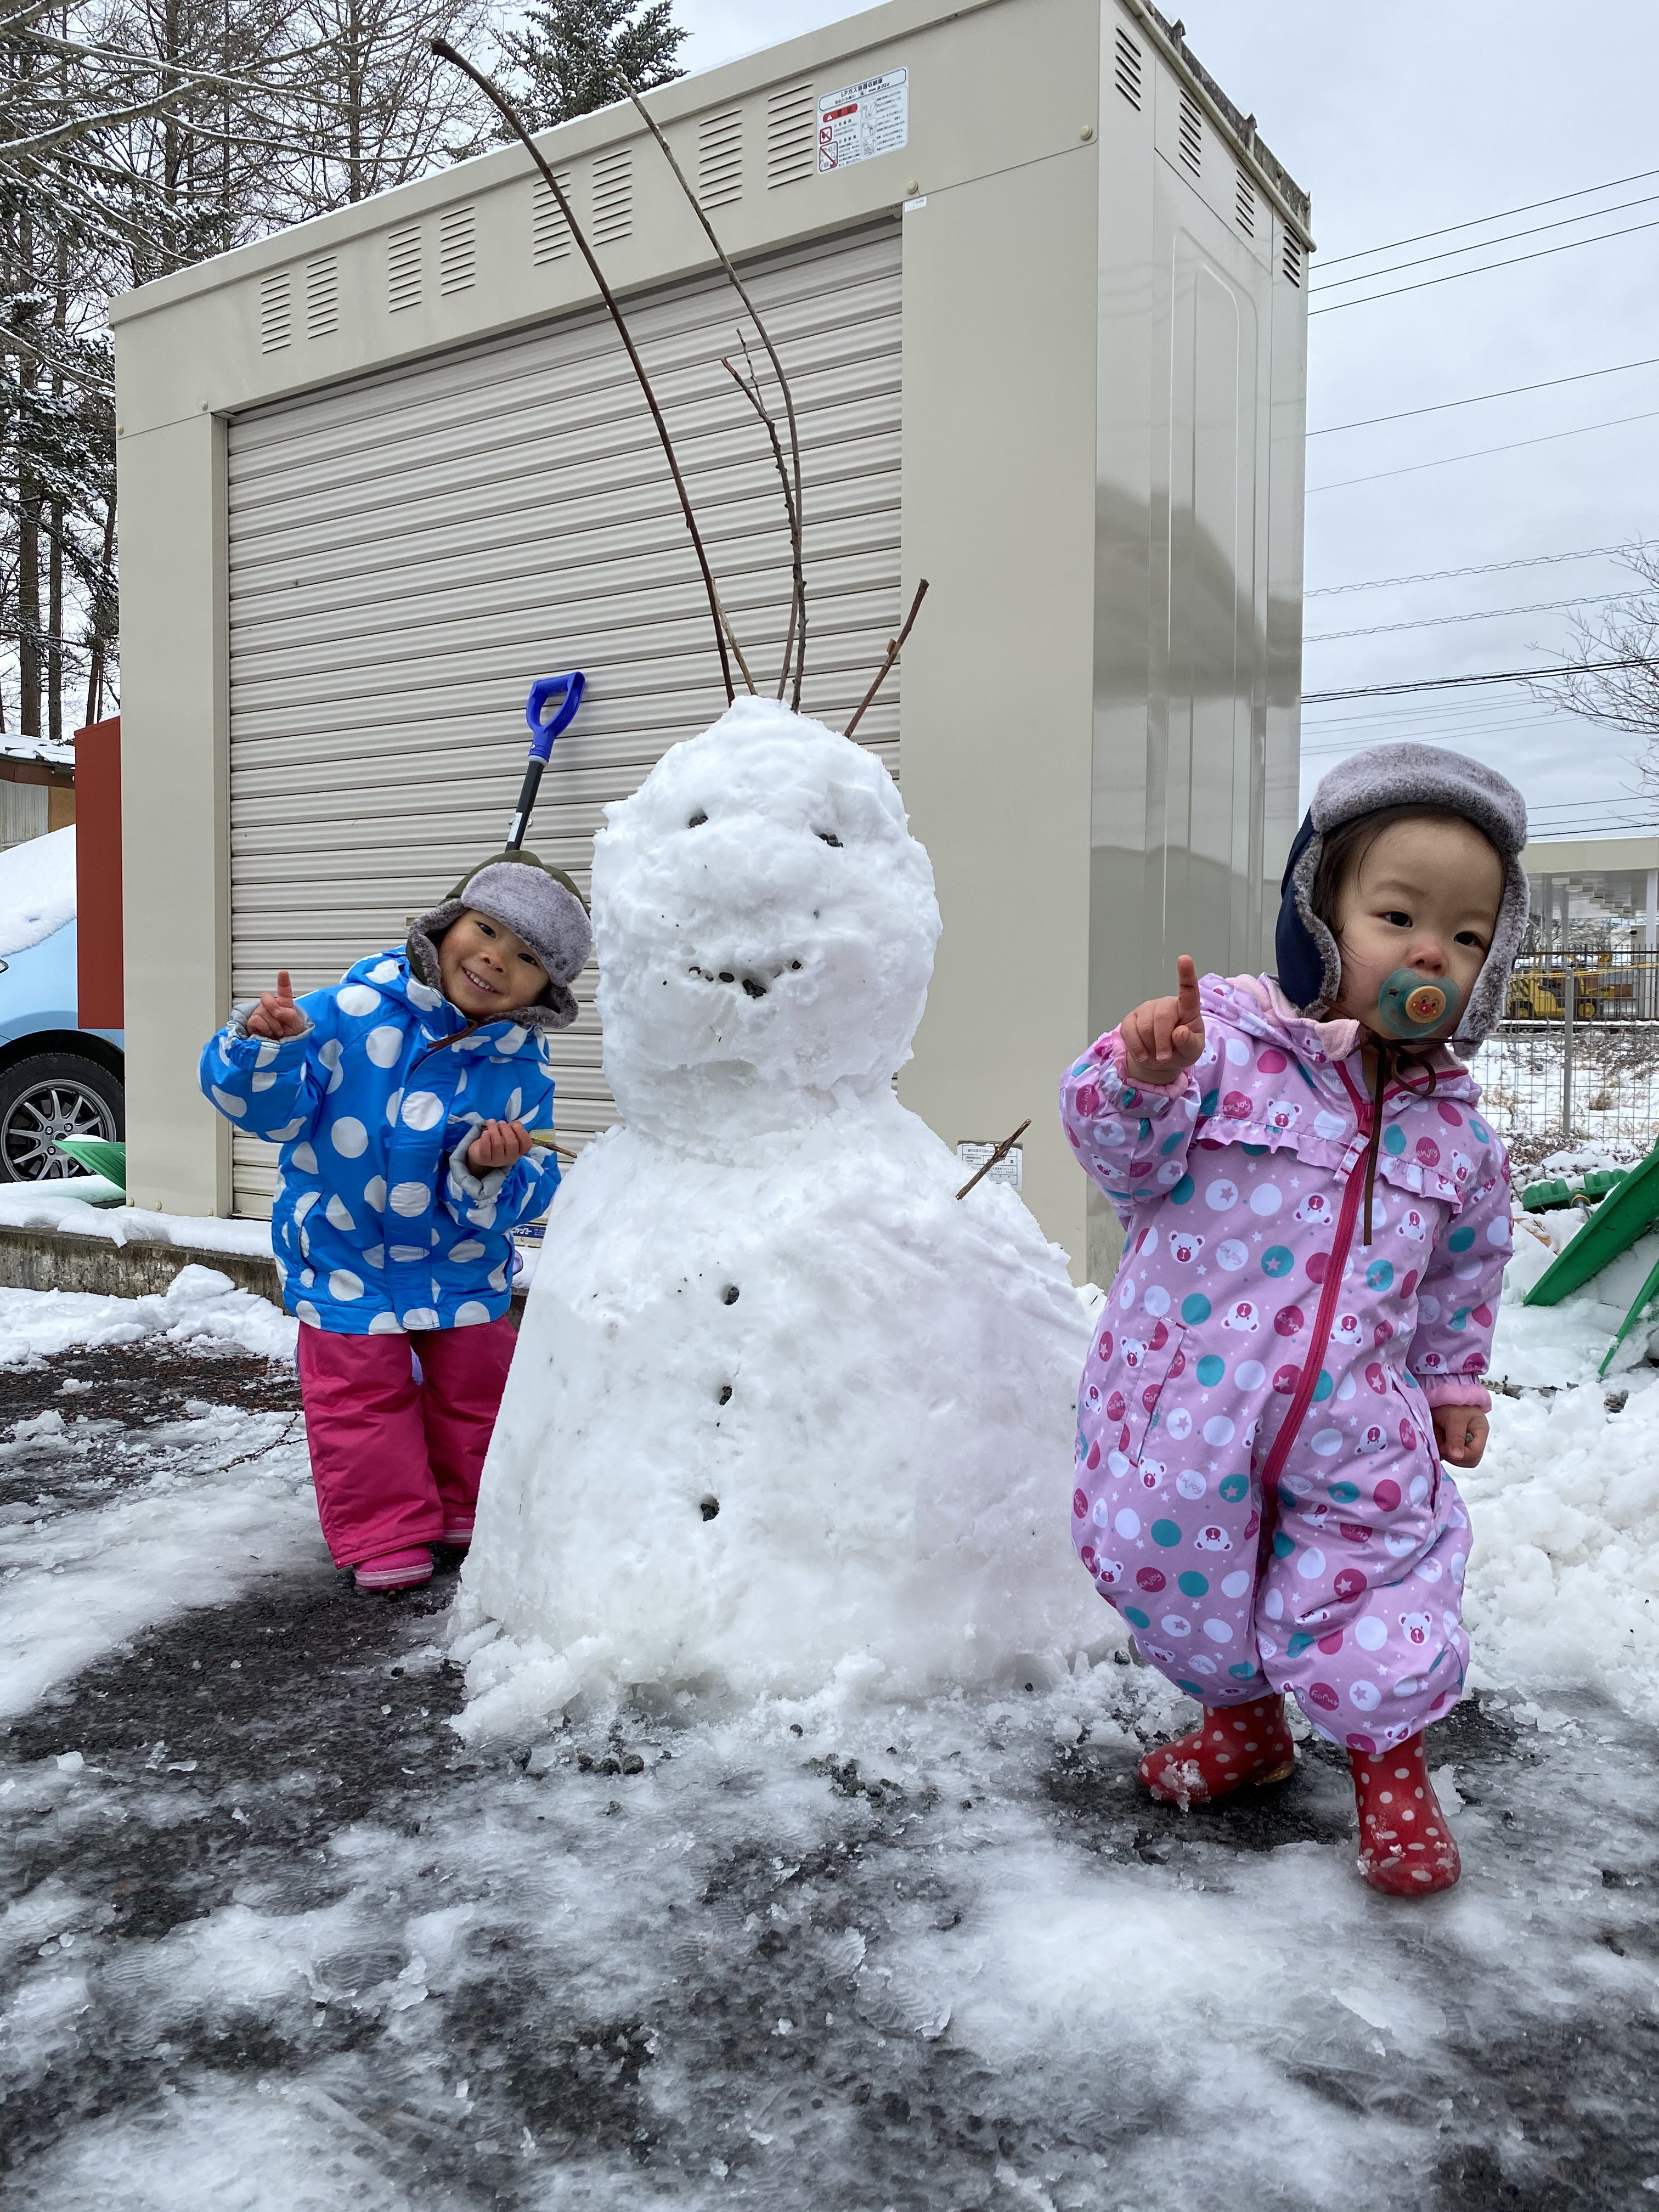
(277, 1016)
(1163, 1035)
(1461, 1433)
(497, 1145)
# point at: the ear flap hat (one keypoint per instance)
(541, 904)
(1310, 964)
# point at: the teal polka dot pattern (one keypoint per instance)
(1380, 1274)
(1194, 1309)
(1167, 1533)
(1461, 1239)
(1183, 1191)
(1232, 1487)
(1324, 1387)
(1211, 1369)
(1193, 1584)
(1136, 1617)
(1278, 1260)
(1394, 1140)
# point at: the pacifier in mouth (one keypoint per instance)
(1413, 1006)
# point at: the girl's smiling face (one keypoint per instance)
(1424, 896)
(488, 968)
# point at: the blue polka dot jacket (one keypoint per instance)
(379, 1225)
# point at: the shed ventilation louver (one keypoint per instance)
(276, 311)
(1129, 68)
(791, 135)
(458, 251)
(1292, 259)
(720, 158)
(1244, 204)
(402, 268)
(550, 234)
(322, 297)
(1192, 132)
(613, 196)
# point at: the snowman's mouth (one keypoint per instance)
(754, 982)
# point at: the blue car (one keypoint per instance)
(57, 1080)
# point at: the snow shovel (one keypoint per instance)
(550, 707)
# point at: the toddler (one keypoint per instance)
(1317, 1220)
(403, 1098)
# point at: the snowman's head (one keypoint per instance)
(765, 926)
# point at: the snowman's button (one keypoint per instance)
(697, 820)
(725, 1394)
(710, 1507)
(729, 1295)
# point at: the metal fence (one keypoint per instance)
(1577, 1060)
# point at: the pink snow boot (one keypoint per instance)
(1405, 1847)
(1233, 1745)
(395, 1571)
(457, 1531)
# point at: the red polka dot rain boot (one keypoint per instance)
(1233, 1745)
(1405, 1846)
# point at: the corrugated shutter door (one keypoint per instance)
(408, 552)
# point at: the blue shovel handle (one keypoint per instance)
(550, 707)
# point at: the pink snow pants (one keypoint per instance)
(396, 1461)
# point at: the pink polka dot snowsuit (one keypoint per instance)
(1259, 1491)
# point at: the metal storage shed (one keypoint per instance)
(1046, 320)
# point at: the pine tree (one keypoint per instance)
(564, 57)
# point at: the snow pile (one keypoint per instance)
(199, 1303)
(1563, 1580)
(64, 1206)
(783, 1411)
(37, 889)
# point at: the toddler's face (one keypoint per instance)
(487, 968)
(1425, 896)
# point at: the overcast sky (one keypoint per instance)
(1401, 116)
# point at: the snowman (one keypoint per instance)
(783, 1413)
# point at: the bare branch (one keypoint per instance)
(750, 390)
(509, 115)
(895, 646)
(797, 512)
(1611, 675)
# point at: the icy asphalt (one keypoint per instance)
(273, 1937)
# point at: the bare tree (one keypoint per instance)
(1611, 673)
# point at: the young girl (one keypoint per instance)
(402, 1098)
(1317, 1223)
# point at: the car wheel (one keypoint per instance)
(52, 1095)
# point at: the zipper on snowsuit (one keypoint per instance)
(1324, 1317)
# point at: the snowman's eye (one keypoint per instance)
(831, 838)
(697, 821)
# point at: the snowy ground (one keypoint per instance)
(273, 1937)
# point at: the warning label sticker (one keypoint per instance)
(862, 120)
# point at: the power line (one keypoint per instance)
(1481, 246)
(1480, 569)
(1454, 276)
(1462, 683)
(1528, 207)
(1483, 614)
(1480, 452)
(1479, 399)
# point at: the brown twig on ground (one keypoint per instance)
(510, 116)
(751, 391)
(797, 516)
(1000, 1153)
(893, 647)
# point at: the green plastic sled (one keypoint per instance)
(1624, 1215)
(97, 1156)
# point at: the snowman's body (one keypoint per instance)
(782, 1406)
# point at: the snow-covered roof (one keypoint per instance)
(37, 889)
(41, 749)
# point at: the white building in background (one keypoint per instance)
(1043, 293)
(1608, 886)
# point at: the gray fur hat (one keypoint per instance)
(1310, 964)
(546, 909)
